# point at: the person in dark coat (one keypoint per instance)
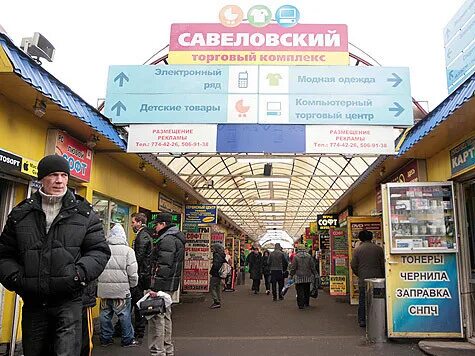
(219, 257)
(254, 261)
(142, 246)
(52, 246)
(266, 270)
(367, 262)
(277, 265)
(168, 254)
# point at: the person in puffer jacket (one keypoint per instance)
(52, 246)
(114, 286)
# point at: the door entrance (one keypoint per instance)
(469, 195)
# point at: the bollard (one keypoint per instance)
(376, 310)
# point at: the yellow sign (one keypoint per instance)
(337, 285)
(29, 167)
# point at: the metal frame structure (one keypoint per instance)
(315, 181)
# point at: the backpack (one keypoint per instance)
(225, 270)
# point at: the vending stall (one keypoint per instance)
(422, 252)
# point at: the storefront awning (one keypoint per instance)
(60, 94)
(437, 116)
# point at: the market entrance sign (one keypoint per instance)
(302, 44)
(259, 94)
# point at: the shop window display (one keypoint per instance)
(422, 217)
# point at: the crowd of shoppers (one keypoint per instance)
(59, 231)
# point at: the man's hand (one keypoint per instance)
(153, 294)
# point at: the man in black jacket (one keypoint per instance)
(168, 254)
(143, 249)
(52, 246)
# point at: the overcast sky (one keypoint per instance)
(91, 35)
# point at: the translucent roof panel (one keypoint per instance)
(299, 186)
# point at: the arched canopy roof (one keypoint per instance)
(314, 182)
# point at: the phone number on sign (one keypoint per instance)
(178, 144)
(353, 145)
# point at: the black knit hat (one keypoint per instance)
(163, 217)
(50, 164)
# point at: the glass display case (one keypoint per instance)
(422, 217)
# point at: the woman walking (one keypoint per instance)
(304, 272)
(266, 270)
(219, 258)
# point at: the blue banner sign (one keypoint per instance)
(259, 94)
(424, 296)
(201, 214)
(261, 138)
(462, 157)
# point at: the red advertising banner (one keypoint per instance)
(196, 264)
(76, 153)
(217, 237)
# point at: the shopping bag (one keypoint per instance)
(314, 286)
(152, 306)
(287, 286)
(225, 270)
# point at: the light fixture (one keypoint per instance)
(164, 184)
(39, 108)
(142, 166)
(267, 179)
(92, 141)
(271, 222)
(276, 227)
(186, 197)
(271, 213)
(269, 201)
(264, 160)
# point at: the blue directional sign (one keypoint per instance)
(177, 79)
(458, 20)
(350, 109)
(349, 80)
(459, 40)
(259, 94)
(167, 108)
(461, 68)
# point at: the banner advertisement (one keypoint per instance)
(423, 296)
(10, 162)
(359, 140)
(77, 154)
(355, 225)
(324, 258)
(337, 285)
(302, 44)
(197, 263)
(168, 204)
(339, 253)
(217, 237)
(201, 214)
(172, 138)
(326, 222)
(462, 157)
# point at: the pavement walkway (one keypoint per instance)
(249, 324)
